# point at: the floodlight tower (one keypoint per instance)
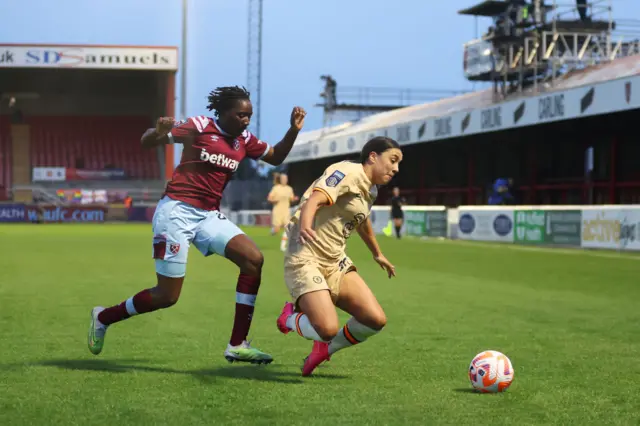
(254, 60)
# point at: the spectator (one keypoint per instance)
(501, 192)
(582, 10)
(15, 113)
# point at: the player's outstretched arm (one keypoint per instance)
(167, 131)
(308, 214)
(279, 152)
(158, 136)
(365, 230)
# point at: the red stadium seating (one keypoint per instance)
(98, 141)
(5, 157)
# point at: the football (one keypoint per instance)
(491, 372)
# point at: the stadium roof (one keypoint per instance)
(348, 137)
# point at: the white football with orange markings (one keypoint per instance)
(491, 372)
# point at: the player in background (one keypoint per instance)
(188, 213)
(397, 216)
(281, 196)
(276, 181)
(317, 271)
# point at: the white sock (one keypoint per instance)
(351, 334)
(283, 242)
(98, 323)
(301, 325)
(131, 309)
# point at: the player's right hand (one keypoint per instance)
(386, 265)
(164, 125)
(306, 235)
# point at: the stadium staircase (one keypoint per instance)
(20, 172)
(5, 158)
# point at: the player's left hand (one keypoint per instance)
(297, 117)
(164, 125)
(386, 265)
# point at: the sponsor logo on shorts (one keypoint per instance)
(317, 280)
(335, 178)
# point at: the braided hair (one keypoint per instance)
(221, 99)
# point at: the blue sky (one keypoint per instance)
(405, 43)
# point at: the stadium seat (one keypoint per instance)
(98, 141)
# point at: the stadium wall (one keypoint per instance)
(613, 227)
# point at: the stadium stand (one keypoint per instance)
(93, 143)
(5, 157)
(455, 148)
(620, 68)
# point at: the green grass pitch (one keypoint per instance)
(568, 320)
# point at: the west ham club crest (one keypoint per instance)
(174, 248)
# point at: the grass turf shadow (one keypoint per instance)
(268, 373)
